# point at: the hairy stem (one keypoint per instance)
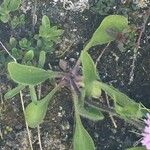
(137, 123)
(33, 93)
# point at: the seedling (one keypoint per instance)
(6, 7)
(44, 41)
(18, 21)
(84, 86)
(47, 35)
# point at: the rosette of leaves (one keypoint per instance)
(18, 21)
(47, 35)
(6, 7)
(30, 76)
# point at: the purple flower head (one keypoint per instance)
(146, 133)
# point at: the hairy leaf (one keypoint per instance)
(14, 91)
(29, 56)
(123, 104)
(82, 140)
(36, 110)
(90, 113)
(28, 75)
(35, 113)
(89, 71)
(45, 22)
(101, 36)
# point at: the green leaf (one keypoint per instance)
(29, 56)
(42, 59)
(13, 5)
(45, 22)
(36, 110)
(18, 21)
(90, 113)
(14, 91)
(35, 113)
(17, 53)
(137, 148)
(45, 27)
(49, 96)
(4, 17)
(89, 68)
(131, 109)
(24, 43)
(89, 71)
(28, 75)
(101, 36)
(95, 89)
(81, 139)
(123, 104)
(33, 93)
(48, 34)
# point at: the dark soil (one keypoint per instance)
(114, 68)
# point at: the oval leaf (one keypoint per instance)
(28, 75)
(35, 113)
(36, 110)
(82, 140)
(101, 36)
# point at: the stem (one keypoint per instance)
(75, 101)
(27, 128)
(33, 93)
(88, 46)
(39, 91)
(138, 124)
(49, 96)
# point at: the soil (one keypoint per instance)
(114, 68)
